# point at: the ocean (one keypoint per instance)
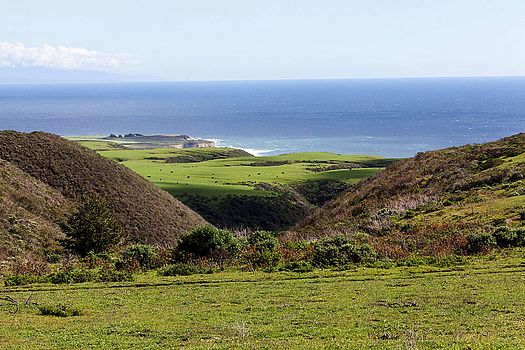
(388, 117)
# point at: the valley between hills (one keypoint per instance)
(165, 247)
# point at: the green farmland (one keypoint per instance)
(232, 188)
(479, 305)
(236, 175)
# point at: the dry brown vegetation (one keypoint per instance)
(43, 175)
(427, 204)
(29, 212)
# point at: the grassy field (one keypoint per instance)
(480, 305)
(101, 145)
(231, 188)
(236, 175)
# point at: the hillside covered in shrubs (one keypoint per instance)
(437, 203)
(43, 177)
(59, 198)
(29, 213)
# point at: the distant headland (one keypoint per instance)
(132, 140)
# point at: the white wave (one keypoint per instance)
(218, 142)
(259, 152)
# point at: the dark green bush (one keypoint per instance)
(207, 242)
(72, 276)
(481, 242)
(114, 276)
(89, 275)
(53, 258)
(262, 250)
(94, 260)
(263, 240)
(297, 266)
(59, 310)
(265, 258)
(498, 221)
(446, 261)
(508, 237)
(93, 227)
(340, 250)
(182, 269)
(409, 213)
(144, 255)
(490, 163)
(21, 279)
(296, 245)
(75, 275)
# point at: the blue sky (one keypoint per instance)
(267, 39)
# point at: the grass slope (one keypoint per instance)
(236, 175)
(29, 213)
(231, 189)
(429, 203)
(477, 306)
(146, 213)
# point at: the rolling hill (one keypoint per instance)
(429, 203)
(29, 213)
(146, 213)
(231, 188)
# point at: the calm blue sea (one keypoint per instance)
(390, 117)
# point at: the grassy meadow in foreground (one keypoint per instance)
(480, 305)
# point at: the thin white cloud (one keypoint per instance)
(59, 57)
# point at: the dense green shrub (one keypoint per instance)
(144, 255)
(296, 250)
(53, 258)
(297, 266)
(93, 260)
(508, 237)
(21, 279)
(182, 269)
(498, 221)
(89, 275)
(208, 242)
(445, 261)
(92, 227)
(481, 242)
(263, 240)
(263, 258)
(490, 163)
(75, 275)
(72, 276)
(296, 245)
(263, 249)
(106, 275)
(59, 310)
(340, 250)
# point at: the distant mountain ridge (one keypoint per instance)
(48, 75)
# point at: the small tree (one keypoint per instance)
(92, 227)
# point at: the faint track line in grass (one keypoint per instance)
(323, 279)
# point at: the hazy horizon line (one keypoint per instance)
(256, 80)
